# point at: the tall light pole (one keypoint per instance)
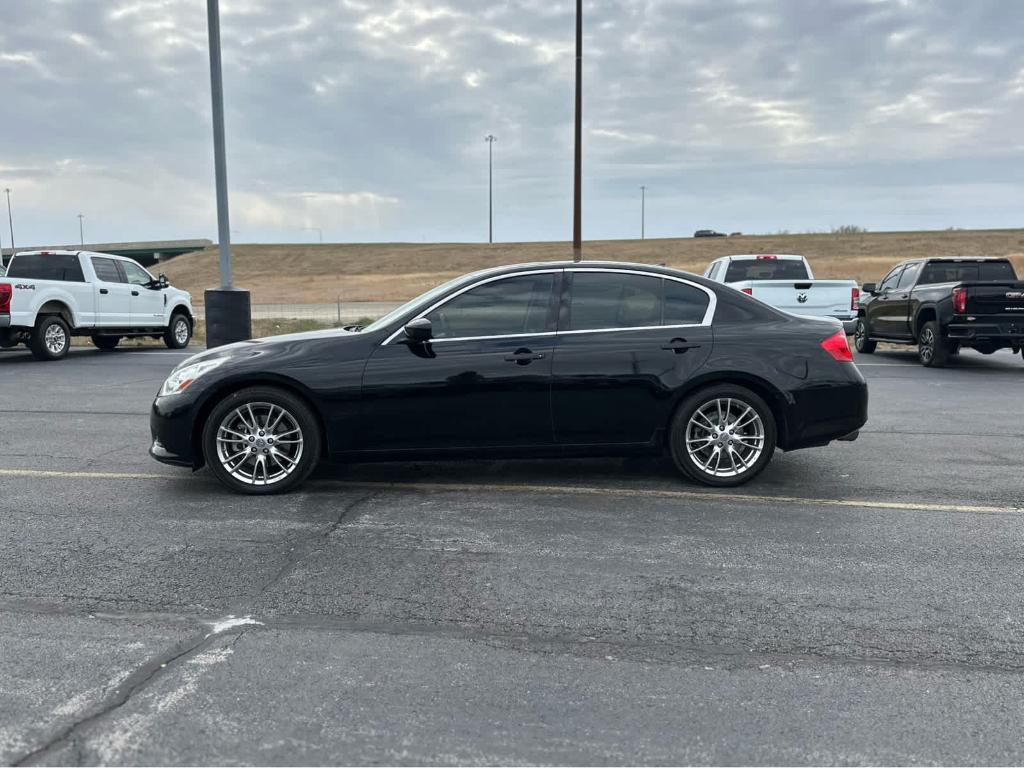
(577, 201)
(81, 229)
(10, 218)
(490, 139)
(643, 211)
(319, 232)
(228, 311)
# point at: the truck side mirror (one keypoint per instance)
(871, 288)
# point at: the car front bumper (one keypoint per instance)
(170, 425)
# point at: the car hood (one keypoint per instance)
(250, 348)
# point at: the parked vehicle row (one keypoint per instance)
(548, 359)
(47, 297)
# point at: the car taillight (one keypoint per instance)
(854, 299)
(748, 291)
(837, 346)
(959, 300)
(6, 291)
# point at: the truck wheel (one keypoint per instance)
(864, 344)
(178, 333)
(931, 349)
(106, 342)
(50, 339)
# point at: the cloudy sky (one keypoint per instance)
(367, 118)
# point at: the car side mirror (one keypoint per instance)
(419, 330)
(871, 288)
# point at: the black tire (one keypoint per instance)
(931, 349)
(54, 348)
(179, 332)
(737, 400)
(299, 415)
(861, 340)
(106, 342)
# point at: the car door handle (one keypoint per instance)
(524, 357)
(679, 346)
(104, 291)
(135, 293)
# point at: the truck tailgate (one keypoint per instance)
(804, 297)
(1003, 298)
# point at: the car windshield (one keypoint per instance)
(423, 299)
(959, 272)
(766, 269)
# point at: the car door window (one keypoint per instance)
(684, 304)
(909, 276)
(890, 280)
(136, 275)
(106, 270)
(512, 306)
(614, 300)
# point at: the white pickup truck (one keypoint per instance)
(786, 282)
(47, 297)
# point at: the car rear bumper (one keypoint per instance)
(1008, 334)
(822, 414)
(5, 321)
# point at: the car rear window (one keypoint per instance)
(766, 269)
(960, 272)
(47, 266)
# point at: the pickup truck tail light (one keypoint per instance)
(854, 299)
(748, 291)
(837, 346)
(6, 291)
(959, 300)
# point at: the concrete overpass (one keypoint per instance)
(146, 253)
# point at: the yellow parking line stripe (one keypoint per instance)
(579, 490)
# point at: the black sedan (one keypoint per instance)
(548, 359)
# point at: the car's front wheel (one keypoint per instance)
(261, 440)
(723, 435)
(178, 333)
(861, 339)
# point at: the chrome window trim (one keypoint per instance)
(707, 320)
(470, 287)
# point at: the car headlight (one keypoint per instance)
(181, 378)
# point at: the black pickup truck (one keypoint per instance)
(942, 305)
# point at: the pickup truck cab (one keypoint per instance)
(47, 297)
(785, 281)
(942, 305)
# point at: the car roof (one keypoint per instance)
(762, 255)
(65, 252)
(614, 265)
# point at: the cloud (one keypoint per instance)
(367, 119)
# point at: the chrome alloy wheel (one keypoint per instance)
(259, 443)
(926, 345)
(181, 330)
(56, 339)
(725, 437)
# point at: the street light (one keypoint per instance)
(577, 221)
(490, 139)
(81, 230)
(10, 218)
(228, 311)
(643, 210)
(319, 231)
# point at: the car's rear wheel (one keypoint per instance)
(106, 342)
(931, 350)
(178, 333)
(722, 436)
(861, 340)
(51, 338)
(261, 440)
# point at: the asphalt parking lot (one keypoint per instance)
(861, 603)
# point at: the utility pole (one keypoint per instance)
(228, 311)
(320, 232)
(81, 230)
(490, 139)
(10, 218)
(643, 211)
(577, 199)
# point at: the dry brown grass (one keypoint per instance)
(278, 274)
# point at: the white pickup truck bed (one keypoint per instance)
(785, 281)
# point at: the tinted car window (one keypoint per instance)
(891, 278)
(766, 269)
(909, 275)
(513, 305)
(136, 274)
(609, 300)
(952, 272)
(106, 270)
(684, 304)
(51, 266)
